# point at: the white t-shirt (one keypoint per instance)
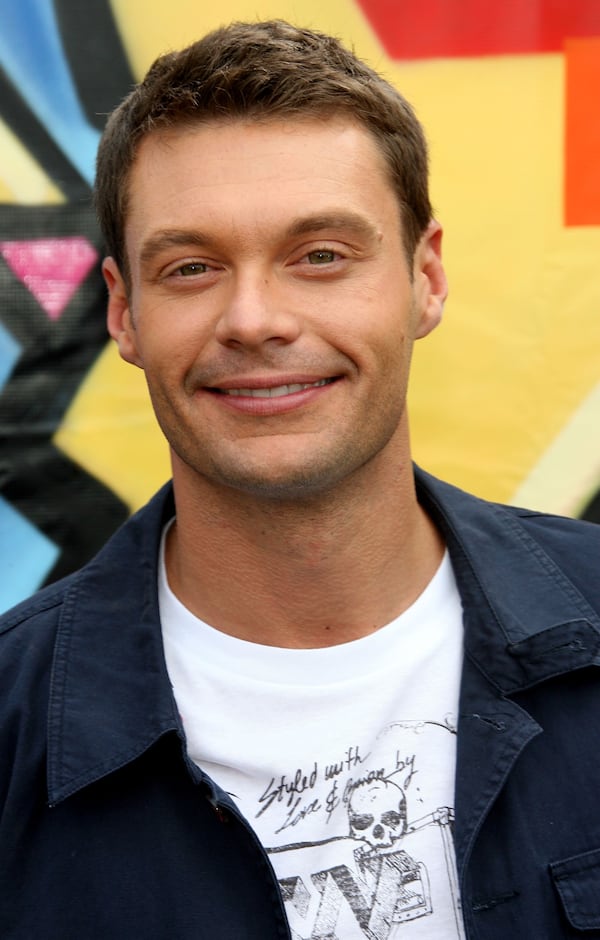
(342, 760)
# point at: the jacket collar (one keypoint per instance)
(524, 619)
(111, 697)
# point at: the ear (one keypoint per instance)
(119, 319)
(431, 286)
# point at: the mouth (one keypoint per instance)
(272, 391)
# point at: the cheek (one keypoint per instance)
(390, 349)
(378, 317)
(169, 336)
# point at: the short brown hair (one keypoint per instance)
(266, 70)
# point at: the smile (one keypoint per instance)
(276, 391)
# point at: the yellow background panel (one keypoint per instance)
(22, 179)
(111, 431)
(520, 347)
(151, 27)
(574, 456)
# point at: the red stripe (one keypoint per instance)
(446, 28)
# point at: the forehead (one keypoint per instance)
(221, 134)
(237, 171)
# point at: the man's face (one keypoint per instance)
(271, 304)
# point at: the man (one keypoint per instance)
(308, 691)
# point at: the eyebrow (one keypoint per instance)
(306, 225)
(337, 221)
(173, 238)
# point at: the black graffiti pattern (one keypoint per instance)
(62, 500)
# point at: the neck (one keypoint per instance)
(305, 574)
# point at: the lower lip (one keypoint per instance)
(265, 407)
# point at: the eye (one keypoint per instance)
(322, 256)
(191, 268)
(361, 821)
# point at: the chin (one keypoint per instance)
(289, 488)
(286, 476)
(286, 484)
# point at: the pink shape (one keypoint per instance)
(51, 268)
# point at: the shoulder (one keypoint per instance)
(499, 538)
(573, 544)
(27, 642)
(27, 651)
(42, 608)
(462, 510)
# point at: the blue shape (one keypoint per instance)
(26, 556)
(9, 353)
(32, 55)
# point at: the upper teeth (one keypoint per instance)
(275, 391)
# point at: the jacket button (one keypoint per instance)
(222, 814)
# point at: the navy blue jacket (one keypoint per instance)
(108, 831)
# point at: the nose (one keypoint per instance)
(256, 311)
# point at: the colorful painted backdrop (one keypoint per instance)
(505, 396)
